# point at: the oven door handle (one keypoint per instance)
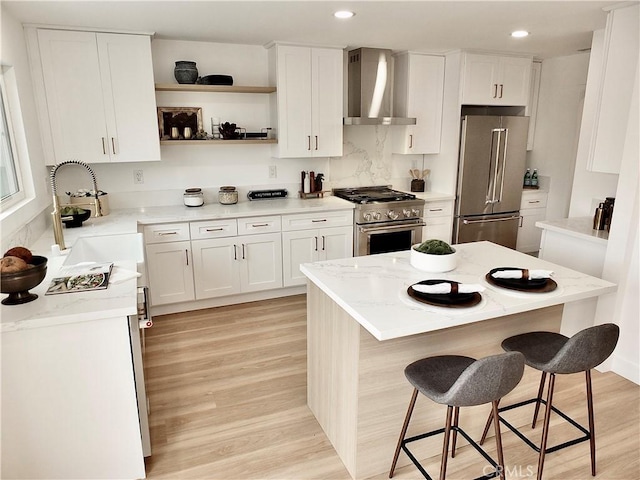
(391, 227)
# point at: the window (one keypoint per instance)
(11, 188)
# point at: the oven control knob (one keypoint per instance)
(377, 215)
(406, 212)
(367, 216)
(415, 212)
(392, 215)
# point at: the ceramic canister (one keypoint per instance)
(193, 197)
(228, 195)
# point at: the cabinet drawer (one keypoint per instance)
(168, 232)
(438, 209)
(305, 221)
(532, 199)
(251, 225)
(213, 229)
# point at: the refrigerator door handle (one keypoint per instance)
(495, 159)
(504, 219)
(504, 163)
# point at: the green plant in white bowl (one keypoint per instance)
(433, 256)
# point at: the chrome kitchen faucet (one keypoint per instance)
(57, 217)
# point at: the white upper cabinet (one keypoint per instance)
(419, 93)
(98, 103)
(309, 100)
(613, 69)
(532, 107)
(496, 80)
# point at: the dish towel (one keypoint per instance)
(444, 288)
(523, 273)
(119, 275)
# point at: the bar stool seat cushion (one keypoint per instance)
(462, 381)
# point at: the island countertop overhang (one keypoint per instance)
(372, 289)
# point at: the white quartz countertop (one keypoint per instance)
(373, 289)
(119, 300)
(579, 227)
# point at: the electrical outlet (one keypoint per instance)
(273, 173)
(138, 177)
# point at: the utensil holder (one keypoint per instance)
(417, 185)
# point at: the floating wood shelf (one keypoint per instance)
(177, 87)
(249, 141)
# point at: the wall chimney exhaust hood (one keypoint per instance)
(369, 89)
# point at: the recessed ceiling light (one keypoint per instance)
(519, 33)
(343, 14)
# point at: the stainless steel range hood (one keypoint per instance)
(369, 89)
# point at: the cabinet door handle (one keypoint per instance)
(104, 146)
(316, 142)
(435, 209)
(243, 251)
(260, 225)
(533, 201)
(521, 221)
(495, 90)
(410, 141)
(214, 229)
(316, 239)
(113, 146)
(162, 234)
(501, 89)
(323, 243)
(186, 254)
(308, 142)
(235, 251)
(318, 220)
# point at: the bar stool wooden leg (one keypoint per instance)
(445, 443)
(545, 429)
(486, 427)
(592, 431)
(456, 415)
(496, 424)
(403, 432)
(538, 399)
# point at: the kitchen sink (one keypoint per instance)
(107, 248)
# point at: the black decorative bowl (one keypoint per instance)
(17, 284)
(215, 80)
(75, 220)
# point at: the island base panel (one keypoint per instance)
(359, 394)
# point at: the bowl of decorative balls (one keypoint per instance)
(19, 272)
(433, 256)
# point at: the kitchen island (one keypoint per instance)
(363, 329)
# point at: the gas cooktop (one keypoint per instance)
(376, 194)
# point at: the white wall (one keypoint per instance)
(27, 220)
(562, 87)
(621, 259)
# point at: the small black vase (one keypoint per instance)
(185, 72)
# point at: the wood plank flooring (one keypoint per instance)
(227, 394)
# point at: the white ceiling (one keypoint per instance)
(557, 27)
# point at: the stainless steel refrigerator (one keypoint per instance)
(490, 172)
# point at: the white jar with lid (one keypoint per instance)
(193, 197)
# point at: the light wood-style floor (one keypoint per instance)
(227, 391)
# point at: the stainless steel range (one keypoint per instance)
(386, 220)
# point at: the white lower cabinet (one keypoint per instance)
(247, 263)
(170, 272)
(438, 217)
(306, 246)
(311, 237)
(533, 208)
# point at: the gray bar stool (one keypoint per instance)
(458, 381)
(553, 353)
